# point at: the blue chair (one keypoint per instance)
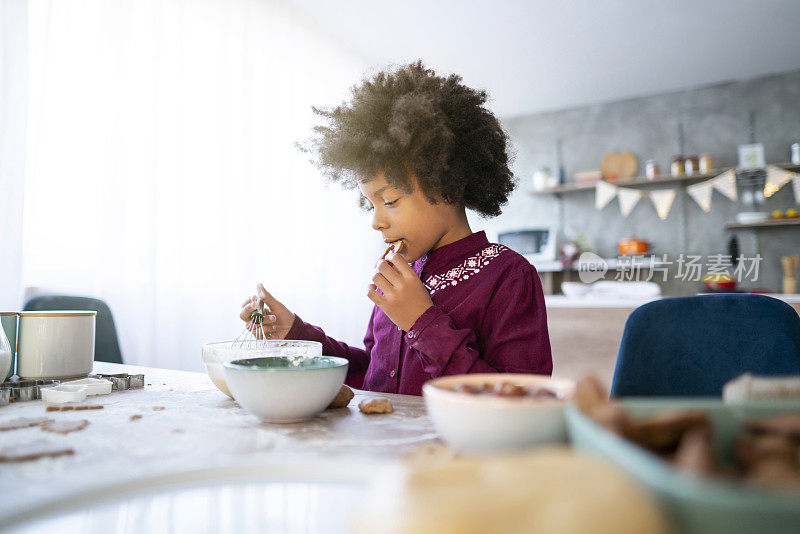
(692, 346)
(106, 344)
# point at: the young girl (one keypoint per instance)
(421, 149)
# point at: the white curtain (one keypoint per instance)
(162, 175)
(13, 92)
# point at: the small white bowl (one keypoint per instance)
(284, 389)
(483, 423)
(217, 354)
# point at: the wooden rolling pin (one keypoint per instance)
(789, 273)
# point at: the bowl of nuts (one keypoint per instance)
(493, 412)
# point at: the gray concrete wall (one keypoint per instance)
(715, 120)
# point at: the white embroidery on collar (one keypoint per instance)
(469, 267)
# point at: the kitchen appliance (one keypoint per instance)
(535, 243)
(55, 344)
(632, 246)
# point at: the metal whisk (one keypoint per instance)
(253, 336)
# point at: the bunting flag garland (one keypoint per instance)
(604, 193)
(701, 193)
(725, 183)
(662, 200)
(628, 198)
(777, 178)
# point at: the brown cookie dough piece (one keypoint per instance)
(135, 416)
(589, 394)
(32, 451)
(751, 449)
(342, 398)
(158, 408)
(395, 247)
(376, 405)
(65, 427)
(73, 407)
(664, 430)
(611, 416)
(786, 424)
(23, 422)
(774, 473)
(696, 452)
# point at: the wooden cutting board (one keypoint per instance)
(623, 165)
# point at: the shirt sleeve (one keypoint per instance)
(514, 329)
(358, 358)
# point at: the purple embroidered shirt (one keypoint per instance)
(488, 316)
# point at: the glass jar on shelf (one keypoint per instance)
(706, 163)
(691, 165)
(676, 166)
(651, 169)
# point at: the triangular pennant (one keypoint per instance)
(796, 188)
(662, 200)
(701, 193)
(628, 198)
(604, 193)
(725, 183)
(776, 178)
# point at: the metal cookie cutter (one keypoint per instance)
(5, 395)
(137, 381)
(23, 391)
(119, 382)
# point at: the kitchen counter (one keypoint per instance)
(199, 430)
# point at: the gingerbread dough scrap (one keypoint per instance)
(23, 422)
(32, 451)
(71, 407)
(342, 398)
(376, 405)
(135, 416)
(65, 427)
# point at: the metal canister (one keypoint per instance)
(796, 153)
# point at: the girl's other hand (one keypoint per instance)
(405, 297)
(278, 319)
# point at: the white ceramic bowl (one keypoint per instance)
(55, 344)
(280, 389)
(215, 355)
(483, 423)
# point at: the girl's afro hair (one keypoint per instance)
(411, 122)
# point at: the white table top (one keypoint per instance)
(199, 429)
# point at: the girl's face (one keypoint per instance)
(411, 217)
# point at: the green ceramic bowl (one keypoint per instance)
(698, 505)
(282, 389)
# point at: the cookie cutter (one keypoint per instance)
(137, 381)
(119, 382)
(23, 391)
(5, 395)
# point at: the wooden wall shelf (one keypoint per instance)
(644, 182)
(769, 223)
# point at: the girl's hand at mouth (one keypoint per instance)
(277, 320)
(404, 297)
